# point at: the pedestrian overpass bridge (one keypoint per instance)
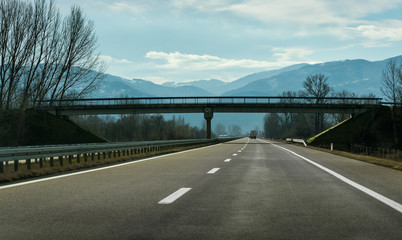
(207, 105)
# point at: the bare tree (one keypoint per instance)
(78, 57)
(42, 56)
(234, 130)
(316, 86)
(220, 130)
(339, 117)
(391, 81)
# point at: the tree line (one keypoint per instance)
(304, 125)
(139, 127)
(45, 56)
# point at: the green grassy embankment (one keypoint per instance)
(374, 129)
(40, 128)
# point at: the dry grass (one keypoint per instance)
(369, 159)
(10, 175)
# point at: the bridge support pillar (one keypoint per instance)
(208, 115)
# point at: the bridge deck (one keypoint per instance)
(214, 104)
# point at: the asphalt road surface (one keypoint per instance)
(245, 189)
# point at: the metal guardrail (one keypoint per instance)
(204, 100)
(31, 152)
(61, 152)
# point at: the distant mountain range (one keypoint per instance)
(359, 76)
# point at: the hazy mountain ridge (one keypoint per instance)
(113, 86)
(359, 76)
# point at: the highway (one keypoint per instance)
(244, 189)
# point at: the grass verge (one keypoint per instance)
(368, 159)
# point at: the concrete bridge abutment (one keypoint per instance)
(208, 115)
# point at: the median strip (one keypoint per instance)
(174, 196)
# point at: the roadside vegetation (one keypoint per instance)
(305, 125)
(394, 164)
(44, 55)
(139, 127)
(373, 137)
(40, 128)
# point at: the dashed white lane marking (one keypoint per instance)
(239, 151)
(391, 203)
(228, 160)
(174, 196)
(234, 154)
(213, 170)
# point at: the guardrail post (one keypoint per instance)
(51, 161)
(1, 167)
(99, 155)
(114, 154)
(61, 161)
(41, 162)
(28, 162)
(85, 157)
(110, 154)
(119, 153)
(16, 165)
(92, 156)
(70, 159)
(78, 158)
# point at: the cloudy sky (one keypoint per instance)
(183, 40)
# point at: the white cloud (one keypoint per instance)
(387, 30)
(177, 60)
(111, 60)
(290, 54)
(310, 11)
(123, 6)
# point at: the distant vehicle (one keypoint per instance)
(253, 134)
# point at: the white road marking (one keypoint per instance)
(234, 154)
(239, 151)
(100, 169)
(391, 203)
(174, 196)
(228, 160)
(213, 170)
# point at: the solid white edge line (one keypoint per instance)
(99, 169)
(174, 196)
(213, 170)
(391, 203)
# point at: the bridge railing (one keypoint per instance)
(206, 100)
